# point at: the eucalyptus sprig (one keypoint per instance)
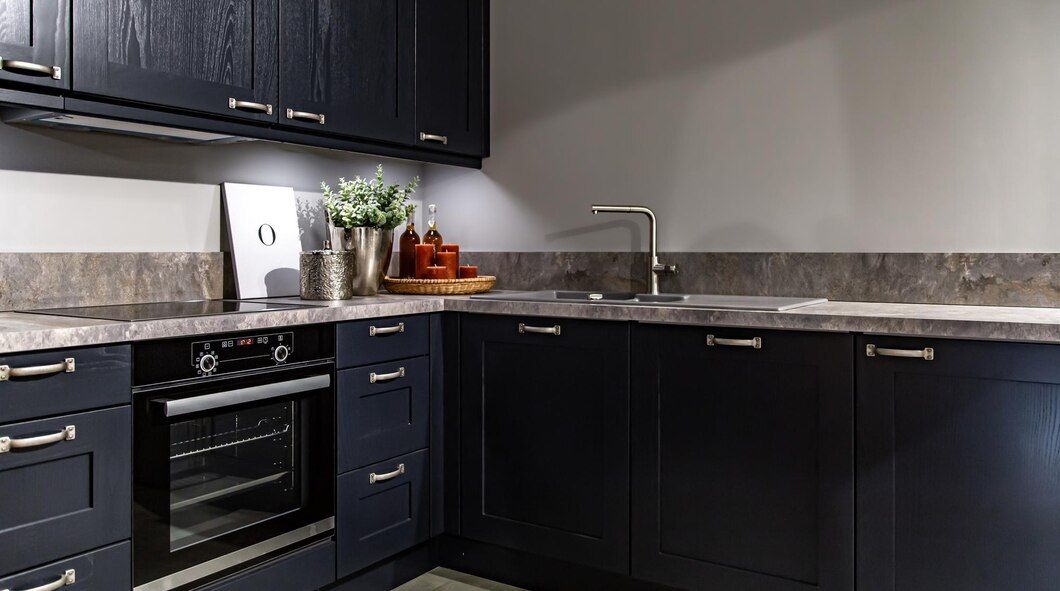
(369, 203)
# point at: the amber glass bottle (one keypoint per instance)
(407, 246)
(432, 236)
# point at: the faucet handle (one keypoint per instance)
(668, 269)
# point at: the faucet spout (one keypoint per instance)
(654, 267)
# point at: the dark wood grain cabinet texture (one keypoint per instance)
(545, 438)
(958, 466)
(35, 43)
(743, 471)
(406, 76)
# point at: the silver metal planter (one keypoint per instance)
(371, 248)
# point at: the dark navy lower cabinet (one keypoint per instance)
(383, 509)
(106, 569)
(42, 384)
(383, 411)
(307, 569)
(67, 486)
(742, 459)
(958, 465)
(545, 437)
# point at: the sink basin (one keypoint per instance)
(724, 302)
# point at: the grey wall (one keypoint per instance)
(172, 205)
(772, 125)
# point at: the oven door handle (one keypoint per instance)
(194, 404)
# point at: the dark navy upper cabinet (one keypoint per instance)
(451, 88)
(35, 42)
(348, 67)
(958, 465)
(214, 56)
(545, 437)
(742, 459)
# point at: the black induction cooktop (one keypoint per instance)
(166, 310)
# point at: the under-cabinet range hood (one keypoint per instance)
(59, 120)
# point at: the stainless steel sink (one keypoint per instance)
(725, 302)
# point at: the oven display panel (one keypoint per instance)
(269, 348)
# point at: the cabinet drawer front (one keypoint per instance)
(101, 376)
(386, 418)
(382, 510)
(381, 339)
(64, 497)
(106, 569)
(307, 569)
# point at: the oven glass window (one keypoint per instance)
(232, 470)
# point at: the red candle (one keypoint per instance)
(424, 259)
(449, 248)
(449, 260)
(437, 272)
(467, 272)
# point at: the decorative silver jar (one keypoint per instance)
(327, 275)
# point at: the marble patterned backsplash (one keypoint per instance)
(933, 278)
(53, 280)
(48, 280)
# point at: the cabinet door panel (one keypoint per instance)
(350, 64)
(742, 460)
(450, 75)
(545, 425)
(35, 42)
(959, 466)
(215, 56)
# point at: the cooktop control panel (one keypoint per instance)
(239, 353)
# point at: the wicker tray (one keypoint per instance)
(440, 286)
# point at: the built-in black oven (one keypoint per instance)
(233, 452)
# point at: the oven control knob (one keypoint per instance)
(208, 363)
(281, 353)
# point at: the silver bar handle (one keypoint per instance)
(374, 478)
(430, 137)
(375, 331)
(67, 365)
(31, 69)
(755, 342)
(68, 578)
(306, 116)
(185, 406)
(386, 377)
(553, 330)
(249, 106)
(7, 444)
(927, 353)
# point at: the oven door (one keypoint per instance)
(230, 472)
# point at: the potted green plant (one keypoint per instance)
(367, 211)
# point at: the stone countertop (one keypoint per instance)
(28, 332)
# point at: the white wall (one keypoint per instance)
(768, 125)
(68, 191)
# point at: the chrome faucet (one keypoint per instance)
(655, 268)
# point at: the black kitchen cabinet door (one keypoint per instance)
(545, 437)
(451, 46)
(958, 466)
(742, 459)
(35, 42)
(214, 56)
(347, 67)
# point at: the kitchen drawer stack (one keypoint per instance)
(383, 419)
(65, 469)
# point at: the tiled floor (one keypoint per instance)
(443, 579)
